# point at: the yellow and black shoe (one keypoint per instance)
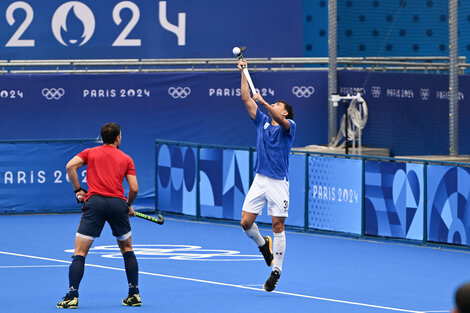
(132, 300)
(267, 250)
(68, 302)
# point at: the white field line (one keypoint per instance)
(30, 266)
(223, 284)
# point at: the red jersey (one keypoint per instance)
(107, 167)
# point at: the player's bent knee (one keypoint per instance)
(246, 224)
(278, 228)
(278, 225)
(124, 245)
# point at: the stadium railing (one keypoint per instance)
(425, 64)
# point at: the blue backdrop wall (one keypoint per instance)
(195, 107)
(37, 29)
(60, 29)
(409, 113)
(399, 28)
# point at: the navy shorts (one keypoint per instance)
(97, 210)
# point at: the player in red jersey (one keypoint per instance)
(107, 166)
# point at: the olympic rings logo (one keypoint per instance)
(175, 252)
(179, 92)
(303, 91)
(425, 92)
(376, 91)
(53, 93)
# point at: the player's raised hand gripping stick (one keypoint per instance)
(237, 51)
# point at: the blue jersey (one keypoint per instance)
(273, 147)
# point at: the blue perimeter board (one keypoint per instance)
(189, 266)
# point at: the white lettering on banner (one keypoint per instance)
(400, 93)
(236, 92)
(351, 90)
(122, 40)
(21, 177)
(11, 94)
(8, 178)
(15, 40)
(445, 95)
(85, 15)
(40, 177)
(179, 30)
(335, 194)
(113, 93)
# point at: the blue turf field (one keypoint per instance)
(188, 266)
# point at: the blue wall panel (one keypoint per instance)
(176, 178)
(33, 177)
(297, 172)
(448, 204)
(335, 194)
(394, 199)
(224, 182)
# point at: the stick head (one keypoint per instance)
(161, 220)
(237, 51)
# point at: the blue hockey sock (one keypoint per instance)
(132, 271)
(76, 270)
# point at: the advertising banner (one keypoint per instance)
(448, 204)
(33, 178)
(408, 113)
(61, 29)
(204, 108)
(394, 200)
(335, 194)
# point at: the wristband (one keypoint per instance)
(80, 189)
(128, 203)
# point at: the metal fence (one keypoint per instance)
(431, 64)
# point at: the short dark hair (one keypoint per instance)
(109, 132)
(462, 298)
(289, 109)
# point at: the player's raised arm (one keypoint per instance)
(277, 116)
(250, 104)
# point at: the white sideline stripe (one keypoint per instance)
(253, 285)
(23, 266)
(222, 284)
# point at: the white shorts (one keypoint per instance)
(266, 189)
